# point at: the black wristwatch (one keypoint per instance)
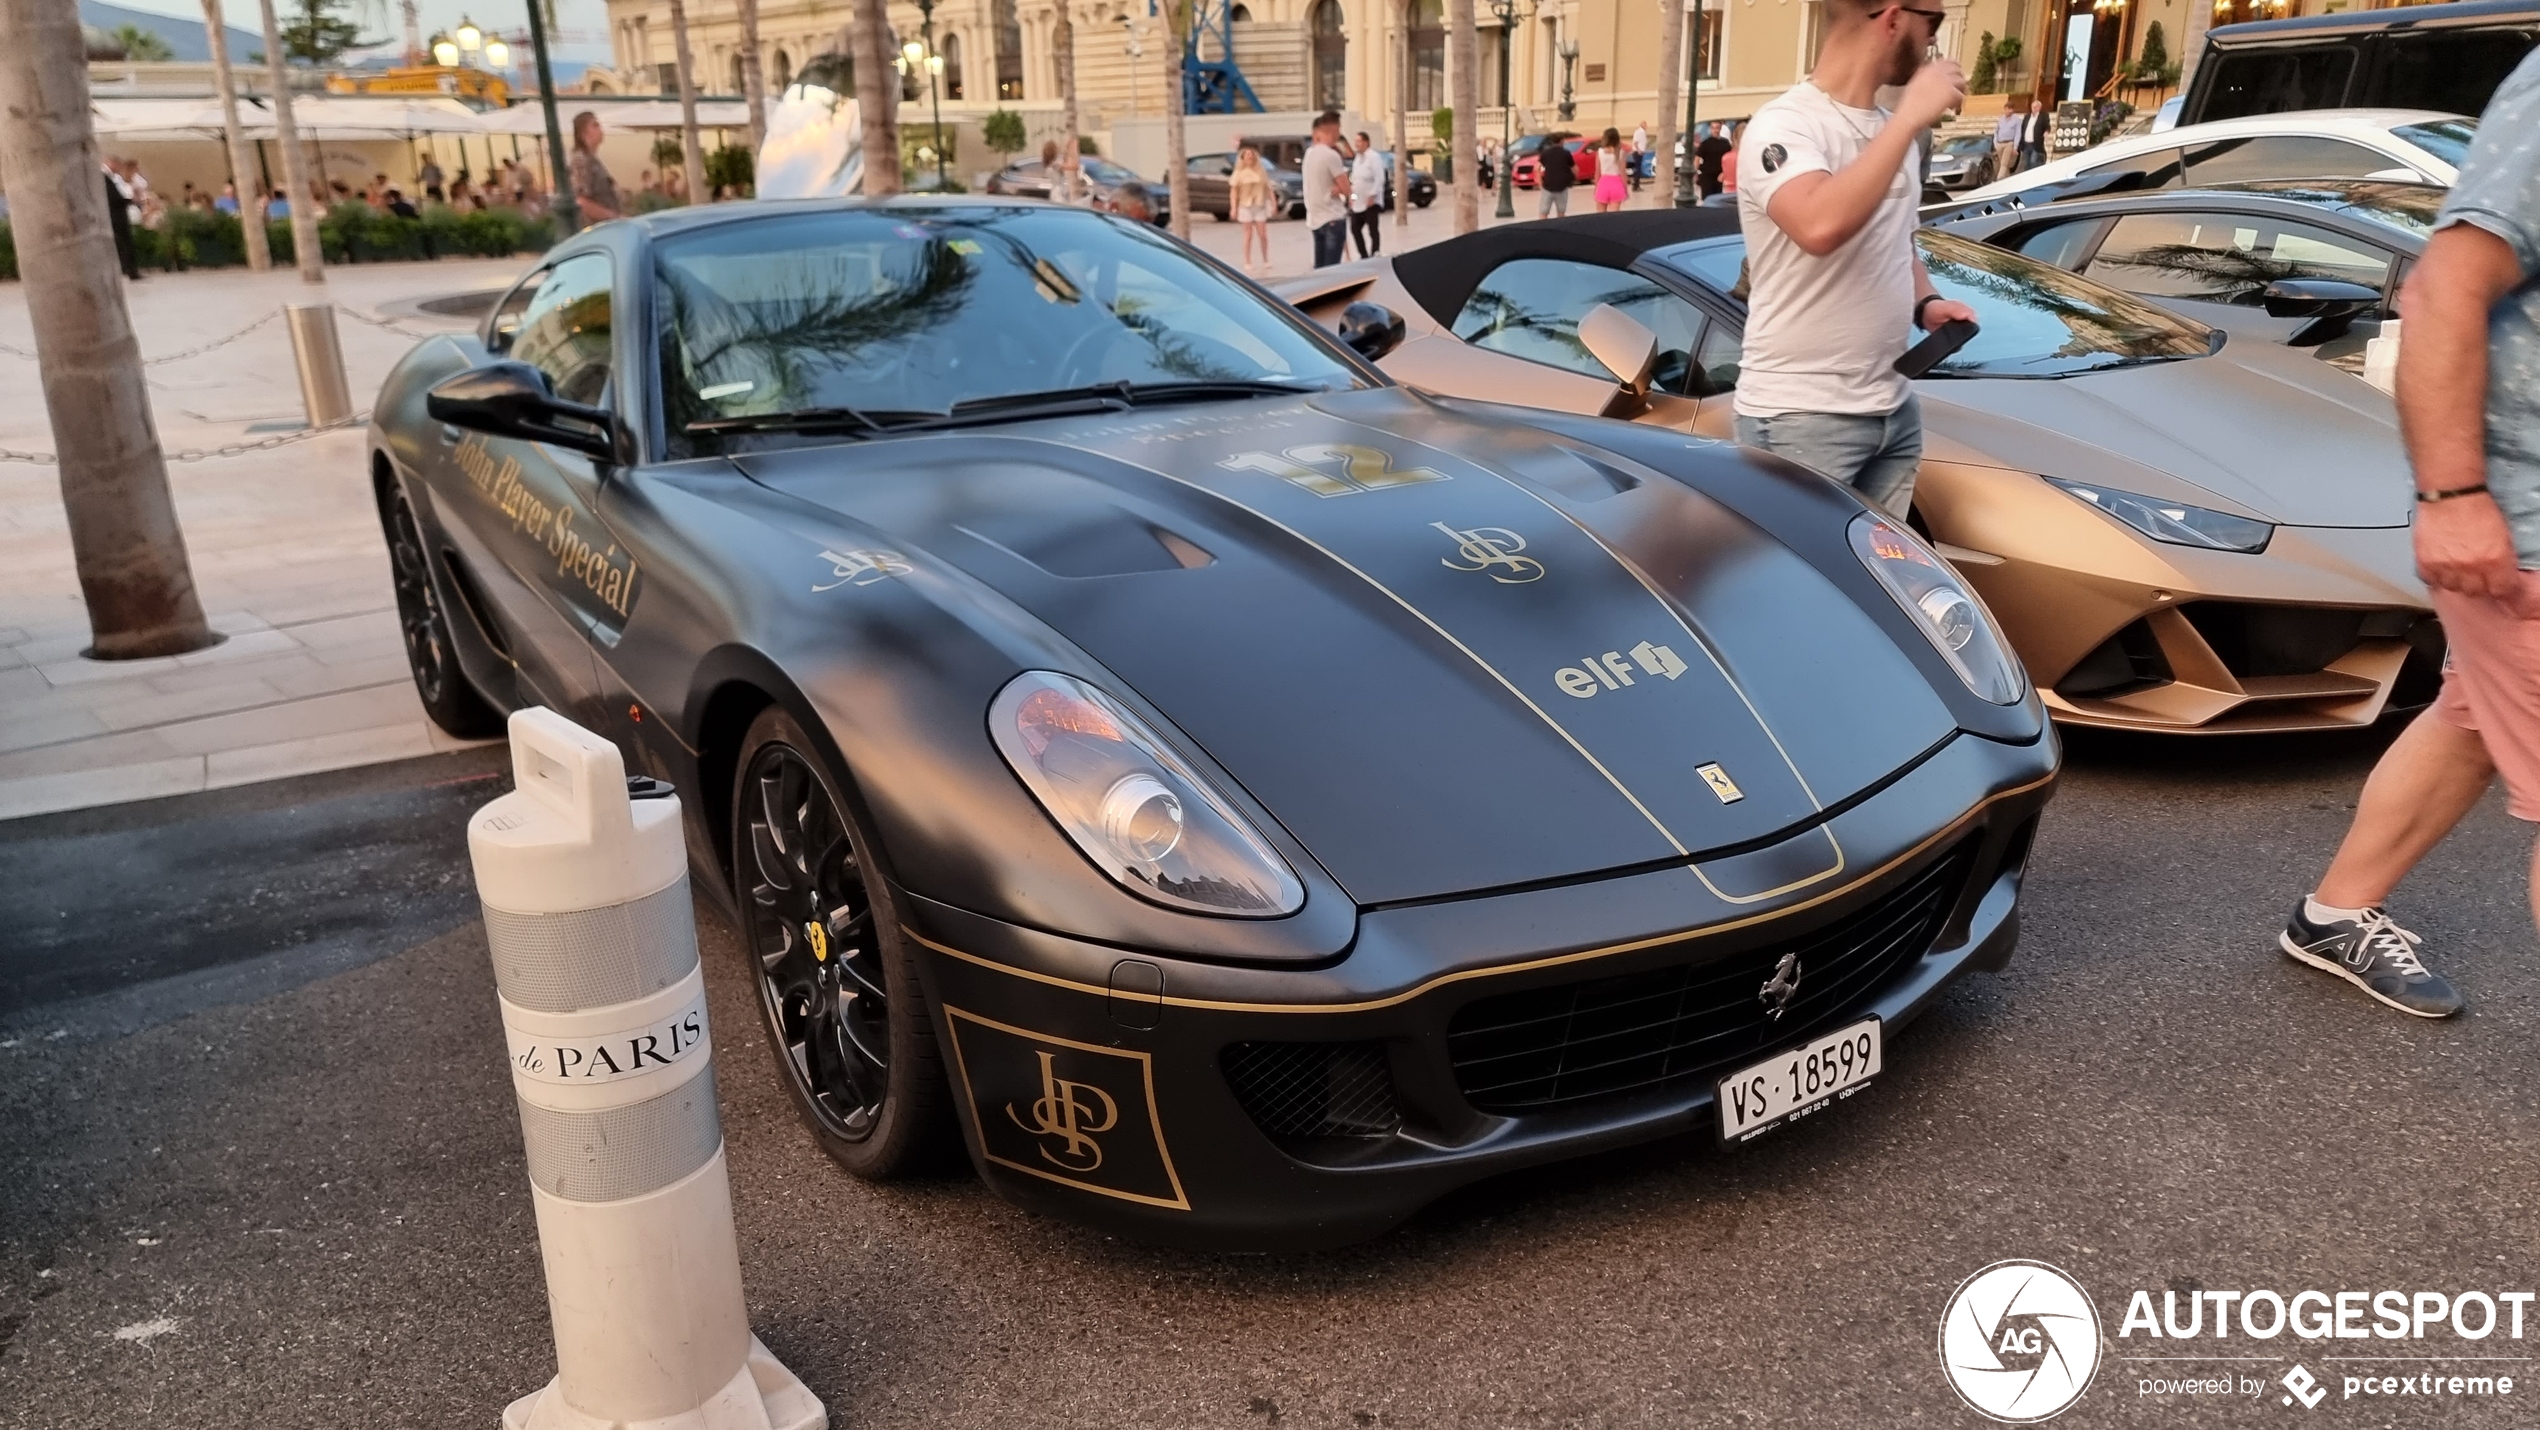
(1924, 302)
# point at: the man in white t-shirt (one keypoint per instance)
(1326, 191)
(1826, 188)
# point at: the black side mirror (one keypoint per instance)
(1370, 330)
(2332, 305)
(511, 399)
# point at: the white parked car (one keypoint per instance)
(2415, 145)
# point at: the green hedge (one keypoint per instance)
(351, 233)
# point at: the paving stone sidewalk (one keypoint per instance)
(285, 545)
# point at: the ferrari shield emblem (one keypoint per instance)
(1720, 783)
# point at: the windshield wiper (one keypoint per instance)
(815, 419)
(1128, 394)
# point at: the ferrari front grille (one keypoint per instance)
(1546, 1048)
(1300, 1092)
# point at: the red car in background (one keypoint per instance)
(1522, 171)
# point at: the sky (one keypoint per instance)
(583, 24)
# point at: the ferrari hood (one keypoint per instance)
(1445, 654)
(2271, 432)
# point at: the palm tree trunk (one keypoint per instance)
(251, 225)
(1177, 140)
(124, 536)
(877, 89)
(1671, 101)
(1464, 83)
(1402, 118)
(753, 83)
(295, 165)
(692, 149)
(1063, 51)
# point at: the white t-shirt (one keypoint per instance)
(1323, 168)
(1366, 181)
(1821, 333)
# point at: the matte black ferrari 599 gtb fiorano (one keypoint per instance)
(1243, 797)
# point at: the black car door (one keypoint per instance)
(538, 547)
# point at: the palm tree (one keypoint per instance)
(1063, 42)
(143, 45)
(1401, 116)
(753, 83)
(694, 164)
(286, 137)
(1177, 145)
(1464, 80)
(251, 224)
(125, 540)
(877, 96)
(1671, 73)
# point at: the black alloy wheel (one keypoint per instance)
(844, 1014)
(448, 698)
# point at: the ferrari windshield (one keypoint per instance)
(883, 317)
(2033, 319)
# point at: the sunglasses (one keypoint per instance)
(1931, 18)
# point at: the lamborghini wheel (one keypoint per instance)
(845, 1016)
(448, 698)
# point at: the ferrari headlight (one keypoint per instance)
(1946, 610)
(2175, 522)
(1131, 804)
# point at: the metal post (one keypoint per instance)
(320, 358)
(934, 86)
(568, 213)
(1506, 10)
(1688, 192)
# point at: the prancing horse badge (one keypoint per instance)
(1720, 783)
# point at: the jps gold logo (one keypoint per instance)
(1080, 1114)
(1333, 469)
(1068, 1114)
(1493, 549)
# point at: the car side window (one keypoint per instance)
(505, 322)
(1716, 360)
(2160, 169)
(2282, 156)
(2227, 258)
(564, 332)
(1531, 308)
(2062, 244)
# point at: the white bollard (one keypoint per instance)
(584, 880)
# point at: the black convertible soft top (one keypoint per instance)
(1442, 275)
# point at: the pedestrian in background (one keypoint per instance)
(1134, 200)
(2006, 137)
(119, 218)
(2469, 410)
(1827, 189)
(1553, 176)
(1249, 192)
(1613, 186)
(1327, 190)
(1710, 158)
(1367, 197)
(594, 189)
(1640, 152)
(430, 177)
(2033, 133)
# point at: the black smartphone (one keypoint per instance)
(1922, 357)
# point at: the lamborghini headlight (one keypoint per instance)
(1946, 610)
(2175, 522)
(1130, 803)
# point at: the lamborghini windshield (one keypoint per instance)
(863, 321)
(2032, 319)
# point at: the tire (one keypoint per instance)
(869, 1082)
(1418, 202)
(431, 658)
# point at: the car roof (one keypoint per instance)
(1442, 275)
(2294, 121)
(2355, 200)
(2409, 17)
(664, 222)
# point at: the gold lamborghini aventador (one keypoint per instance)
(2178, 533)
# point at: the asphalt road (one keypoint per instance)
(259, 1164)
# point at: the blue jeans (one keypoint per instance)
(1874, 455)
(1331, 243)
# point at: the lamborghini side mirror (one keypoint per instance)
(1619, 341)
(512, 399)
(1370, 330)
(2331, 304)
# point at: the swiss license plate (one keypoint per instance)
(1796, 1082)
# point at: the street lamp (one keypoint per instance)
(1689, 192)
(921, 52)
(1136, 46)
(445, 53)
(498, 55)
(1505, 12)
(1568, 50)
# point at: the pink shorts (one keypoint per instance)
(2491, 684)
(1610, 189)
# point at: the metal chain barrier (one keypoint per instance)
(382, 323)
(210, 454)
(355, 314)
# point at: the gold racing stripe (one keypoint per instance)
(1524, 966)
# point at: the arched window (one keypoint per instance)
(952, 66)
(1009, 52)
(1331, 56)
(1240, 15)
(784, 69)
(1428, 56)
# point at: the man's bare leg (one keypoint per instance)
(2426, 782)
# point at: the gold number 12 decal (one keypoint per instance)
(1333, 469)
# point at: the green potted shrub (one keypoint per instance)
(1442, 143)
